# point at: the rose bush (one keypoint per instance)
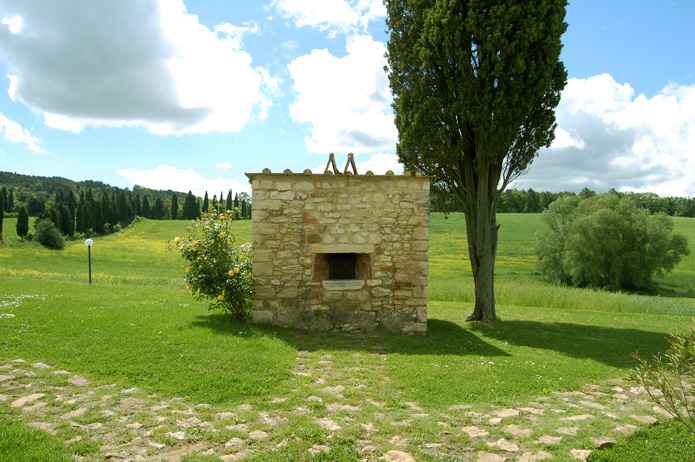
(218, 268)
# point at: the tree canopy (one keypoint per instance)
(475, 86)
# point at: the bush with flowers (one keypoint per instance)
(218, 268)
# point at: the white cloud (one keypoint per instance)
(608, 137)
(15, 133)
(331, 16)
(236, 33)
(564, 139)
(165, 176)
(145, 64)
(13, 23)
(380, 164)
(223, 166)
(346, 100)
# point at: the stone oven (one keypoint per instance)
(341, 251)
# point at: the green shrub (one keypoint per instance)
(608, 242)
(218, 268)
(48, 235)
(669, 379)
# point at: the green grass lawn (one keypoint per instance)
(668, 442)
(19, 443)
(138, 326)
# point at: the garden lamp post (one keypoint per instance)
(89, 243)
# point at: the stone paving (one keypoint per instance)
(341, 400)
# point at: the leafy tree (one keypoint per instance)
(532, 202)
(475, 85)
(608, 242)
(35, 206)
(22, 223)
(586, 193)
(48, 235)
(174, 207)
(206, 203)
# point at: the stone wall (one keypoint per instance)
(301, 220)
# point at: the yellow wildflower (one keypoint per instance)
(236, 270)
(220, 297)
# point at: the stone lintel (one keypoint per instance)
(342, 248)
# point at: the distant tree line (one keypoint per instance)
(89, 212)
(530, 201)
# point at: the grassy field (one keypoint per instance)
(138, 326)
(669, 442)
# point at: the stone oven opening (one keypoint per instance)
(341, 266)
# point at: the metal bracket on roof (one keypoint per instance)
(333, 168)
(350, 163)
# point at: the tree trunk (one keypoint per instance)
(481, 227)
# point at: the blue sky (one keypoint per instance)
(190, 95)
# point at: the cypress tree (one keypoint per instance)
(80, 219)
(71, 202)
(146, 212)
(2, 216)
(53, 214)
(10, 201)
(206, 204)
(137, 205)
(214, 203)
(230, 201)
(123, 209)
(90, 212)
(22, 223)
(3, 198)
(187, 212)
(158, 212)
(99, 222)
(174, 207)
(106, 209)
(67, 220)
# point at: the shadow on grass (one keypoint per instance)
(609, 345)
(444, 338)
